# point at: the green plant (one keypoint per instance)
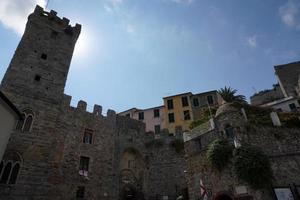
(219, 153)
(178, 145)
(252, 166)
(204, 117)
(229, 95)
(256, 115)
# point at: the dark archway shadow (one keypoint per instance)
(223, 197)
(129, 192)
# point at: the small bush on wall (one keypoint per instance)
(219, 153)
(252, 166)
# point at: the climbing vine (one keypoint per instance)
(252, 166)
(219, 154)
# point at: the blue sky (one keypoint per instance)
(131, 53)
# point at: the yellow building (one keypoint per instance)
(178, 112)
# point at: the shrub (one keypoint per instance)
(219, 154)
(252, 166)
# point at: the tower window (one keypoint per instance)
(25, 123)
(54, 34)
(5, 173)
(44, 56)
(37, 78)
(80, 192)
(84, 163)
(88, 136)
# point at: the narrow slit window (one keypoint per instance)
(44, 56)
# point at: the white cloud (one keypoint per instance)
(116, 3)
(181, 1)
(14, 13)
(251, 41)
(112, 6)
(289, 14)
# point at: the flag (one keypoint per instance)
(203, 191)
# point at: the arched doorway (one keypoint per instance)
(132, 167)
(223, 197)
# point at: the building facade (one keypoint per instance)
(65, 152)
(284, 96)
(201, 101)
(267, 96)
(178, 112)
(288, 76)
(152, 117)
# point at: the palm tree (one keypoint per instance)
(229, 95)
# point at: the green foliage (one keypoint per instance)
(178, 145)
(219, 153)
(256, 115)
(261, 116)
(229, 95)
(154, 143)
(252, 166)
(290, 119)
(205, 116)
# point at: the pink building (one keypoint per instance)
(152, 117)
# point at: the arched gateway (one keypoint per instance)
(131, 175)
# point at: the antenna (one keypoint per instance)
(47, 4)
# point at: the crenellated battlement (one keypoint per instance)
(62, 23)
(82, 106)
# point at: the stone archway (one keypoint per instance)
(132, 168)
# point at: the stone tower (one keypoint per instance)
(41, 62)
(34, 82)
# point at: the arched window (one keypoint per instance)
(28, 123)
(6, 173)
(10, 167)
(25, 123)
(229, 132)
(20, 122)
(14, 174)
